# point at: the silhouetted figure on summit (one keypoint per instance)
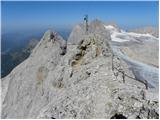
(86, 23)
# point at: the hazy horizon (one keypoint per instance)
(29, 15)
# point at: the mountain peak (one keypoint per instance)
(49, 40)
(89, 80)
(96, 22)
(95, 27)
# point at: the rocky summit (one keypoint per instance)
(84, 77)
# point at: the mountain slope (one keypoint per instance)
(77, 83)
(26, 78)
(14, 57)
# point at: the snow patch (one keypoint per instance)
(123, 36)
(109, 27)
(116, 37)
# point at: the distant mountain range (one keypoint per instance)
(149, 29)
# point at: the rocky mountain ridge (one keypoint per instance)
(76, 80)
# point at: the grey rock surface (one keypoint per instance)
(77, 34)
(95, 27)
(78, 84)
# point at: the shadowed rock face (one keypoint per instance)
(78, 84)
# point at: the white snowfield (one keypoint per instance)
(142, 71)
(110, 27)
(123, 36)
(117, 37)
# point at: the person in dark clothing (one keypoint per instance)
(86, 21)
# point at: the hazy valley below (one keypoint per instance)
(17, 46)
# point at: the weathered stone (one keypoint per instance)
(78, 84)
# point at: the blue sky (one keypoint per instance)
(30, 15)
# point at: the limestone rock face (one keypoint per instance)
(77, 34)
(23, 86)
(95, 27)
(78, 84)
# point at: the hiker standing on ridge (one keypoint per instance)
(86, 23)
